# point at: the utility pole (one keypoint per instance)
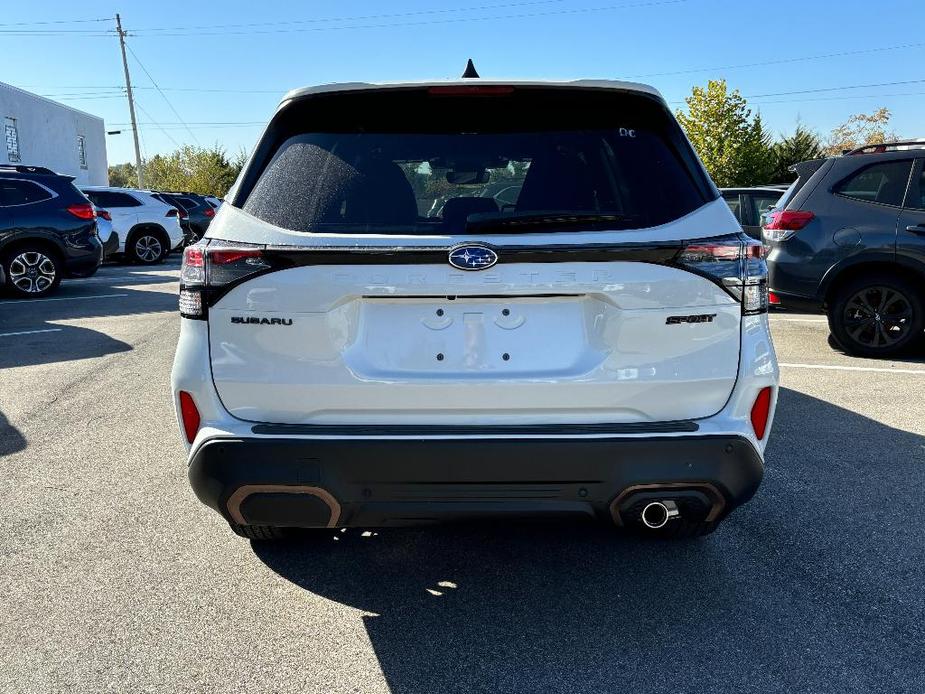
(131, 102)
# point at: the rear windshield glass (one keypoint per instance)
(452, 166)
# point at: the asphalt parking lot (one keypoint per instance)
(115, 578)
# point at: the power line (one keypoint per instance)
(208, 122)
(842, 98)
(781, 61)
(394, 25)
(175, 112)
(836, 89)
(359, 18)
(283, 90)
(156, 124)
(56, 21)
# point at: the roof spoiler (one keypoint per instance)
(24, 168)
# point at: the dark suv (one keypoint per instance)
(199, 213)
(849, 236)
(47, 231)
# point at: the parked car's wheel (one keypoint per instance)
(876, 316)
(147, 247)
(32, 271)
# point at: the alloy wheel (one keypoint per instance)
(148, 249)
(32, 272)
(878, 317)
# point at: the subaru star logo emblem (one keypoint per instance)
(473, 257)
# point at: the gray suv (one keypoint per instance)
(849, 236)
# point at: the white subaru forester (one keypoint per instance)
(474, 299)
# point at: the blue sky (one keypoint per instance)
(672, 44)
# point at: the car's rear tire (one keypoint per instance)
(147, 246)
(877, 315)
(32, 271)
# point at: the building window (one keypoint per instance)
(82, 151)
(12, 139)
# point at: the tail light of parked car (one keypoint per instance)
(174, 212)
(209, 212)
(210, 267)
(735, 263)
(782, 224)
(104, 214)
(83, 210)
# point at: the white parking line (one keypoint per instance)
(60, 298)
(830, 367)
(132, 278)
(31, 332)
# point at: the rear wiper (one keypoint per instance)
(560, 220)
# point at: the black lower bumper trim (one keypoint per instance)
(376, 482)
(676, 427)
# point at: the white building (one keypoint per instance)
(41, 132)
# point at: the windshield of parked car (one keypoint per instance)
(635, 172)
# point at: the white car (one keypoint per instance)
(596, 347)
(148, 228)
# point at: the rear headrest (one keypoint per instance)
(456, 211)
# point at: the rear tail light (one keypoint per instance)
(104, 214)
(734, 262)
(172, 212)
(773, 299)
(760, 411)
(189, 413)
(782, 224)
(210, 266)
(209, 212)
(82, 211)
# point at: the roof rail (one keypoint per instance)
(885, 147)
(23, 168)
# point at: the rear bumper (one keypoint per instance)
(111, 245)
(301, 482)
(796, 302)
(83, 262)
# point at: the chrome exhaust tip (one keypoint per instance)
(656, 514)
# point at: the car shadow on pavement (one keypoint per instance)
(11, 440)
(68, 343)
(814, 586)
(914, 355)
(44, 336)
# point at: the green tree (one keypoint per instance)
(802, 145)
(861, 129)
(205, 170)
(123, 175)
(732, 144)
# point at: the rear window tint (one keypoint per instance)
(883, 183)
(732, 199)
(916, 199)
(14, 193)
(109, 199)
(449, 164)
